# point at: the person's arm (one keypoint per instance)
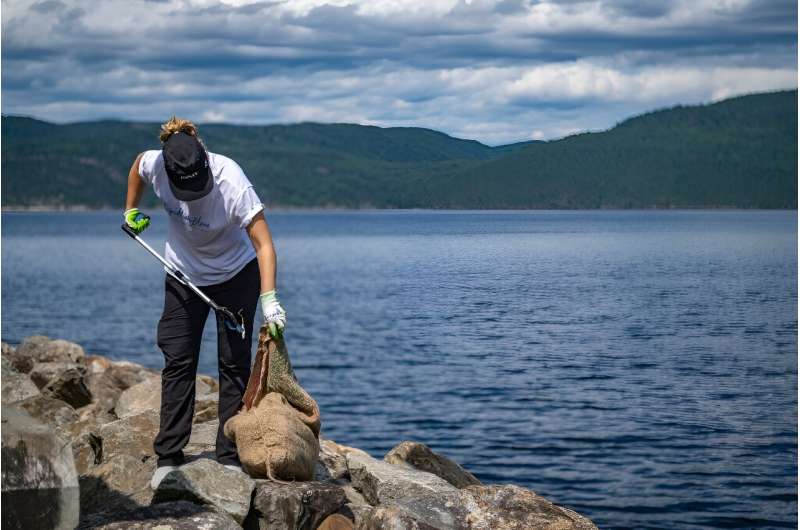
(258, 230)
(133, 217)
(274, 315)
(135, 185)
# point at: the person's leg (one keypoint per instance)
(239, 293)
(179, 333)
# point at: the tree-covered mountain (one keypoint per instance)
(740, 152)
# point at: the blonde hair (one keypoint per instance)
(176, 125)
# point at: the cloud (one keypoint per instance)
(496, 71)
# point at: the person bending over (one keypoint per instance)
(218, 236)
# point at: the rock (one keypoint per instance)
(206, 408)
(203, 441)
(68, 386)
(298, 505)
(19, 362)
(336, 522)
(39, 482)
(179, 515)
(209, 482)
(132, 435)
(425, 497)
(41, 349)
(95, 411)
(42, 373)
(382, 483)
(394, 518)
(332, 463)
(16, 385)
(420, 456)
(147, 396)
(87, 447)
(50, 411)
(119, 483)
(107, 380)
(509, 507)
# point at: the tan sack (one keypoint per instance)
(273, 442)
(277, 431)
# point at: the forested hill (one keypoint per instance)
(740, 152)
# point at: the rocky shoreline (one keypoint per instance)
(77, 437)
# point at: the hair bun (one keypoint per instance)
(176, 125)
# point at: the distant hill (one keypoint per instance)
(739, 153)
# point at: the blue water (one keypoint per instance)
(639, 367)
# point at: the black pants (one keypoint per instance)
(179, 332)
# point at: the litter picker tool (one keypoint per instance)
(231, 322)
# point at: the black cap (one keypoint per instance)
(186, 163)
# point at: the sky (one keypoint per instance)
(495, 71)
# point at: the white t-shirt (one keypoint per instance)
(206, 237)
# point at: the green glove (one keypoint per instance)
(274, 315)
(136, 220)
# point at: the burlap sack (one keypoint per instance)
(276, 432)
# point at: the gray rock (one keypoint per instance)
(298, 505)
(69, 386)
(39, 482)
(16, 385)
(147, 396)
(179, 515)
(420, 456)
(509, 507)
(382, 483)
(50, 411)
(208, 482)
(41, 350)
(119, 483)
(132, 436)
(431, 499)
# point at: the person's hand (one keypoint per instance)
(136, 220)
(274, 315)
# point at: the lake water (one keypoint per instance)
(639, 367)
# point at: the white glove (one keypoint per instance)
(274, 315)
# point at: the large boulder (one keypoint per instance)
(41, 349)
(118, 483)
(408, 498)
(16, 385)
(132, 435)
(208, 482)
(179, 515)
(39, 482)
(420, 456)
(299, 505)
(147, 396)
